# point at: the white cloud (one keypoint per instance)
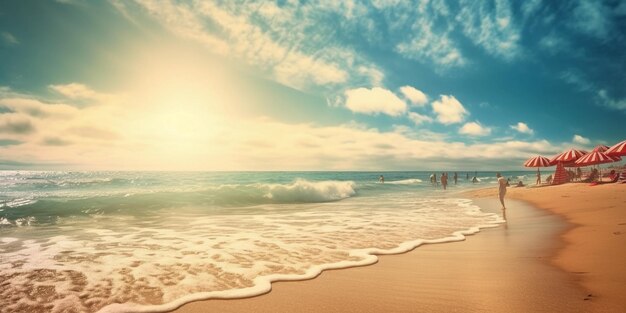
(530, 7)
(606, 100)
(592, 18)
(9, 39)
(373, 101)
(492, 29)
(430, 43)
(34, 108)
(474, 129)
(554, 43)
(602, 97)
(80, 92)
(522, 128)
(275, 39)
(414, 95)
(449, 110)
(576, 78)
(116, 135)
(581, 140)
(419, 119)
(376, 76)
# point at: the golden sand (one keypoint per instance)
(535, 262)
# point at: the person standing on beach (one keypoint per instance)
(381, 179)
(444, 180)
(456, 176)
(466, 176)
(501, 189)
(538, 177)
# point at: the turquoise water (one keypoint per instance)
(117, 241)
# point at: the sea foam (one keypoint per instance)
(157, 262)
(405, 181)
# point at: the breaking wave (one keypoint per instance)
(405, 181)
(49, 210)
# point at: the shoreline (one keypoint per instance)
(594, 246)
(535, 282)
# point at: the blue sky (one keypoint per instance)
(307, 85)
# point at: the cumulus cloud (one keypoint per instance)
(10, 142)
(94, 132)
(373, 101)
(11, 124)
(201, 141)
(449, 110)
(474, 129)
(414, 95)
(54, 141)
(522, 128)
(29, 107)
(31, 121)
(581, 140)
(419, 119)
(77, 91)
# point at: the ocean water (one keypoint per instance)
(150, 241)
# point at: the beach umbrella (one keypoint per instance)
(617, 150)
(596, 158)
(567, 157)
(537, 162)
(600, 148)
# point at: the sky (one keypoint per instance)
(307, 85)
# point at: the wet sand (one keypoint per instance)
(536, 262)
(595, 250)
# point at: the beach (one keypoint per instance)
(594, 250)
(560, 250)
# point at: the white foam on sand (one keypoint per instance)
(134, 264)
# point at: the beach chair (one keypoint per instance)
(622, 178)
(614, 177)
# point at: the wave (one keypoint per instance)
(48, 210)
(405, 181)
(12, 203)
(220, 256)
(303, 191)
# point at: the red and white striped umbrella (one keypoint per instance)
(617, 150)
(594, 158)
(568, 156)
(537, 161)
(600, 148)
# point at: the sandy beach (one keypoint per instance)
(594, 250)
(561, 250)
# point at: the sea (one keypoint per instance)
(151, 241)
